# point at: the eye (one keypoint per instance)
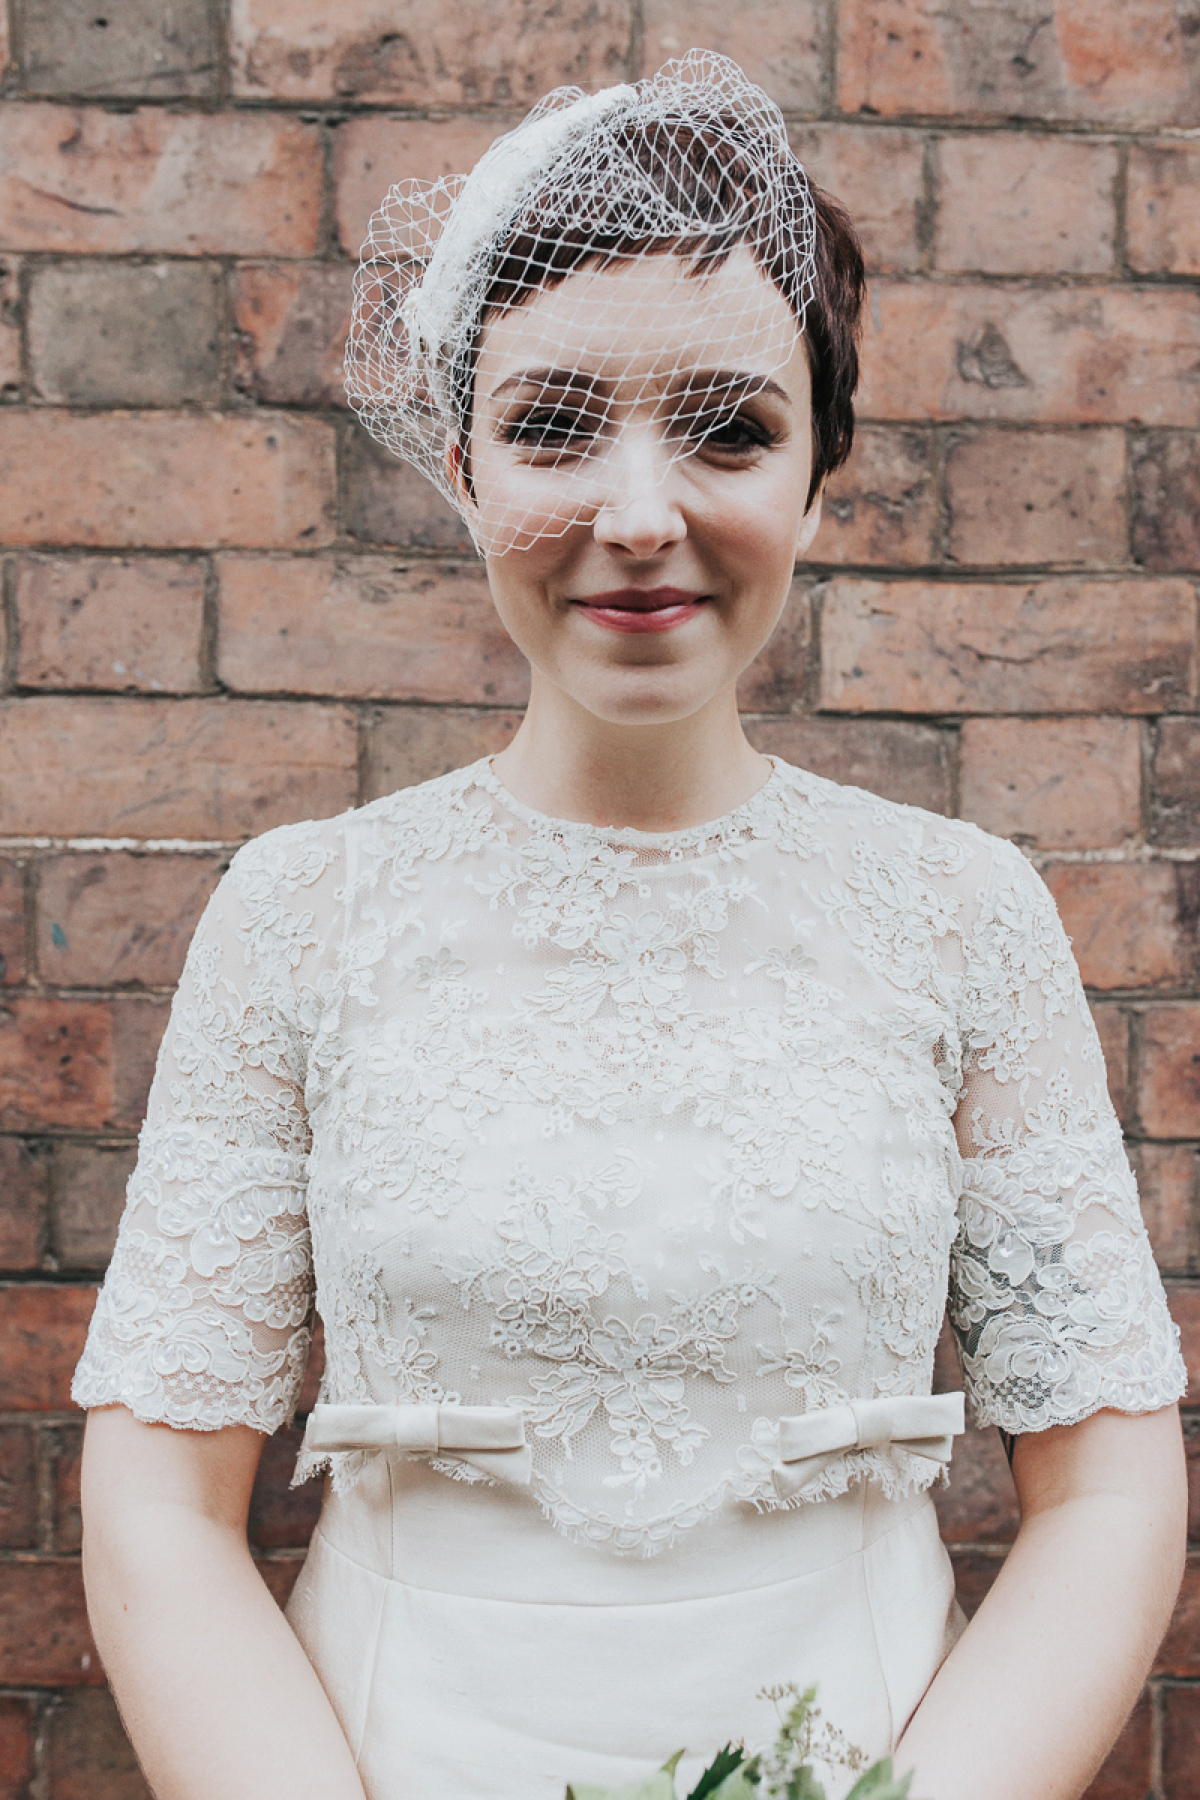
(552, 431)
(734, 432)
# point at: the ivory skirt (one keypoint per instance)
(473, 1653)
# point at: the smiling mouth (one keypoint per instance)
(641, 609)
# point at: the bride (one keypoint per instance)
(630, 1106)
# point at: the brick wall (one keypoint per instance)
(222, 608)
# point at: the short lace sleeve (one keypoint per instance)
(1054, 1295)
(204, 1318)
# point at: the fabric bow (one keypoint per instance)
(491, 1438)
(922, 1424)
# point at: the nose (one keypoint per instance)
(640, 511)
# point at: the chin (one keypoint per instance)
(649, 699)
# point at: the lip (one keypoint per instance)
(641, 609)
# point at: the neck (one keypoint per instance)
(664, 777)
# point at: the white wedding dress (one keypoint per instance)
(649, 1142)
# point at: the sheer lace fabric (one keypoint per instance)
(658, 1137)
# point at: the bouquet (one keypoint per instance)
(783, 1772)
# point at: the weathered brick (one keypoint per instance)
(291, 321)
(1179, 1653)
(974, 1573)
(24, 1200)
(282, 1517)
(879, 177)
(125, 334)
(1055, 784)
(1132, 925)
(777, 681)
(1191, 1445)
(44, 1636)
(407, 744)
(980, 1504)
(65, 1445)
(1043, 646)
(1165, 495)
(909, 763)
(1132, 64)
(1112, 1024)
(93, 182)
(369, 626)
(1181, 1742)
(1073, 355)
(87, 1198)
(1168, 1178)
(480, 52)
(217, 769)
(88, 1756)
(10, 329)
(18, 1729)
(1128, 1769)
(137, 48)
(110, 622)
(18, 1490)
(1026, 497)
(785, 48)
(119, 919)
(56, 1063)
(138, 1026)
(165, 480)
(370, 154)
(385, 501)
(1162, 209)
(12, 921)
(882, 506)
(1016, 204)
(1175, 783)
(42, 1328)
(1170, 1070)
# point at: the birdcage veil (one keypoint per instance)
(693, 160)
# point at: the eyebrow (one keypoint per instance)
(705, 380)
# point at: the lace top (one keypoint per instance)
(657, 1137)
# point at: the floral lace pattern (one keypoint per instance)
(656, 1137)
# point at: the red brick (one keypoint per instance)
(980, 1504)
(1056, 784)
(902, 762)
(56, 1063)
(18, 1489)
(479, 52)
(184, 768)
(18, 1728)
(1131, 64)
(1055, 497)
(365, 626)
(1191, 1445)
(110, 622)
(42, 1329)
(1039, 646)
(879, 177)
(1180, 1743)
(87, 1198)
(66, 1454)
(108, 333)
(1132, 925)
(1175, 783)
(974, 1573)
(1184, 1301)
(1169, 1184)
(1165, 500)
(1073, 355)
(10, 337)
(291, 321)
(44, 1636)
(1162, 209)
(1128, 1769)
(882, 507)
(407, 744)
(138, 1026)
(777, 680)
(118, 919)
(385, 501)
(24, 1198)
(282, 1517)
(1179, 1653)
(94, 182)
(12, 921)
(88, 1756)
(785, 48)
(1170, 1070)
(1012, 204)
(1112, 1024)
(165, 480)
(370, 154)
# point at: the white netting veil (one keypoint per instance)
(511, 324)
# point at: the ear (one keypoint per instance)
(457, 477)
(809, 524)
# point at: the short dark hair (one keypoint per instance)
(701, 165)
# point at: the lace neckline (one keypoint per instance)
(730, 824)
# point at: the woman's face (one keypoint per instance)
(640, 458)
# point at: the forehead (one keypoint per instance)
(647, 320)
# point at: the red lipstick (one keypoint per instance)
(641, 609)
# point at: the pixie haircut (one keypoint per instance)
(692, 162)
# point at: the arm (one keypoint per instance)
(1032, 1697)
(217, 1695)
